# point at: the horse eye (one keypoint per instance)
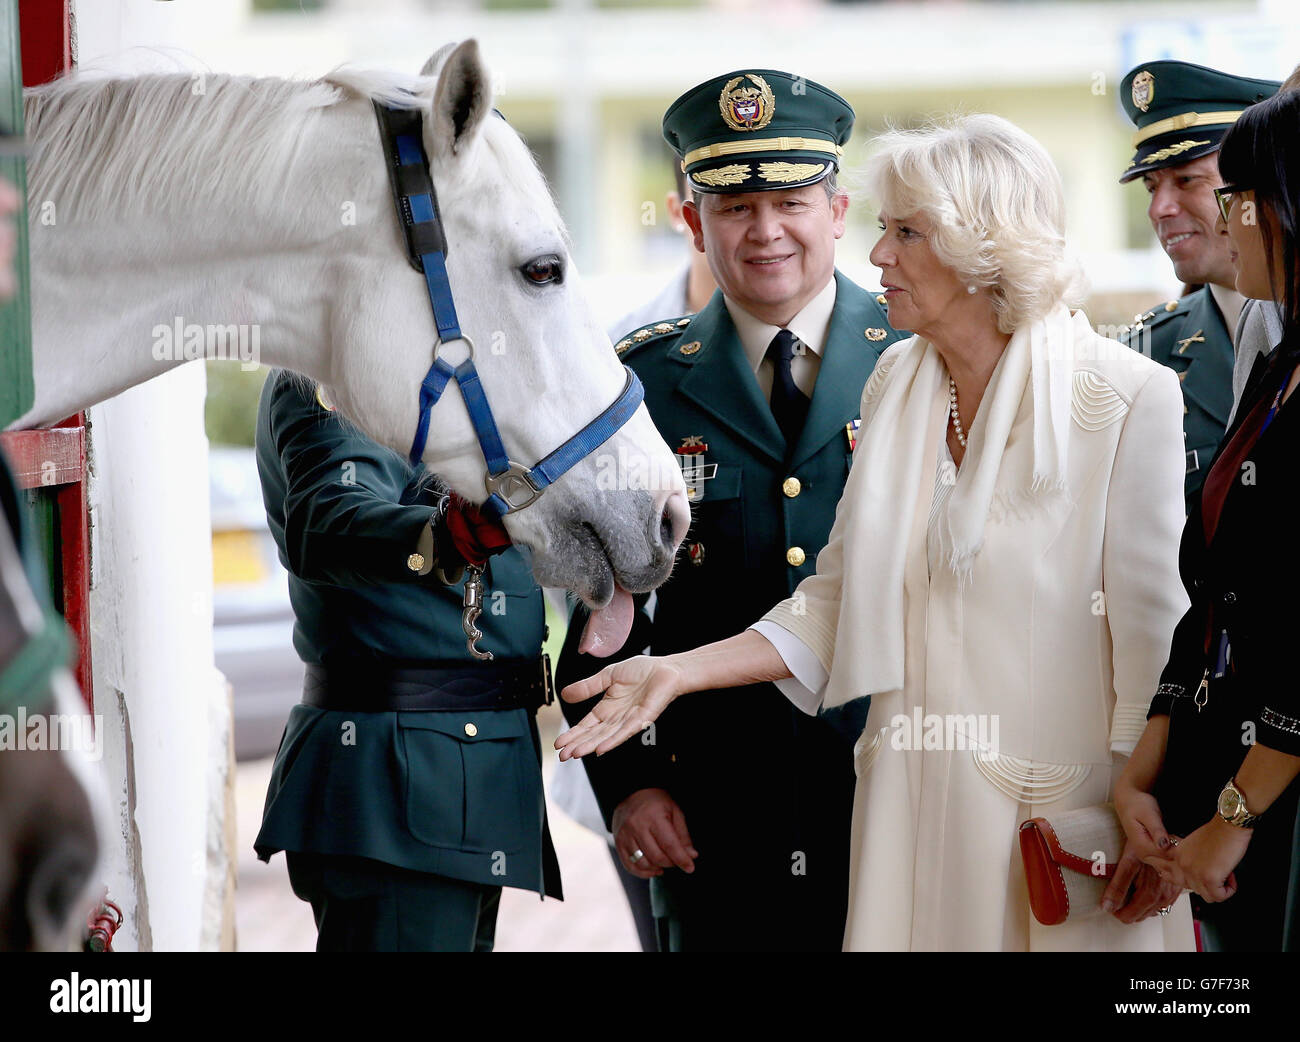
(543, 270)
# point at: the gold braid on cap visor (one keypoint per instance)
(1183, 121)
(767, 144)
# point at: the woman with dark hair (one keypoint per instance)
(1209, 796)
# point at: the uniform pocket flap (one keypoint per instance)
(725, 483)
(474, 725)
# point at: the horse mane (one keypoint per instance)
(226, 139)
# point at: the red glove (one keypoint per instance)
(476, 535)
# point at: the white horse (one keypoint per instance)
(176, 201)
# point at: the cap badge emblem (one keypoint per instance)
(747, 108)
(1144, 90)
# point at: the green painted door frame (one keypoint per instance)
(16, 390)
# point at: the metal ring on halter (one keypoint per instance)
(443, 343)
(637, 855)
(515, 485)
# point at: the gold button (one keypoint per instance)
(471, 730)
(682, 323)
(691, 348)
(1172, 306)
(791, 487)
(882, 300)
(415, 562)
(795, 556)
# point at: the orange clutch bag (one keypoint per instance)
(1069, 861)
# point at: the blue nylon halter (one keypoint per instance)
(511, 486)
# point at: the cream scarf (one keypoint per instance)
(891, 458)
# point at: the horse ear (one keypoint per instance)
(461, 102)
(436, 59)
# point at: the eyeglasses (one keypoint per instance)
(1223, 196)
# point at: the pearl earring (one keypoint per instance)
(972, 288)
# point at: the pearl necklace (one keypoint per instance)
(952, 411)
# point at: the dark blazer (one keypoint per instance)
(766, 789)
(419, 790)
(1234, 585)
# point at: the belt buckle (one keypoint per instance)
(1193, 461)
(548, 685)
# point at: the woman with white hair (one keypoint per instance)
(1001, 578)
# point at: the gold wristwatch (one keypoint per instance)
(1232, 807)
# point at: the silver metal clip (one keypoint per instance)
(473, 609)
(1203, 692)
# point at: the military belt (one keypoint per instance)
(502, 684)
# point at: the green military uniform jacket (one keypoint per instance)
(1190, 336)
(420, 790)
(766, 790)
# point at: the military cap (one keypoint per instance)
(1182, 111)
(757, 129)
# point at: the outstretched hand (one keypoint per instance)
(636, 690)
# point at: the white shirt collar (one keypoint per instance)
(809, 325)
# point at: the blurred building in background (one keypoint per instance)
(586, 82)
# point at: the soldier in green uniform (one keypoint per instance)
(745, 840)
(1181, 112)
(407, 788)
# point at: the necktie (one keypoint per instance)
(789, 404)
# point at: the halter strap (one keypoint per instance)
(510, 485)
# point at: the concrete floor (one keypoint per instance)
(593, 917)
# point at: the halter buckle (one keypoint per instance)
(515, 485)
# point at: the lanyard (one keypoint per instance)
(1277, 401)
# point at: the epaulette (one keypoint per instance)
(654, 331)
(1153, 318)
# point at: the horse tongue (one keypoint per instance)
(607, 628)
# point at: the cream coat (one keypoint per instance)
(1052, 647)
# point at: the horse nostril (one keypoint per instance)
(674, 521)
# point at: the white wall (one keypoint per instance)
(165, 708)
(163, 703)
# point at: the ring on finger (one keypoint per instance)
(637, 855)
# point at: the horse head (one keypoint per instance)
(611, 525)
